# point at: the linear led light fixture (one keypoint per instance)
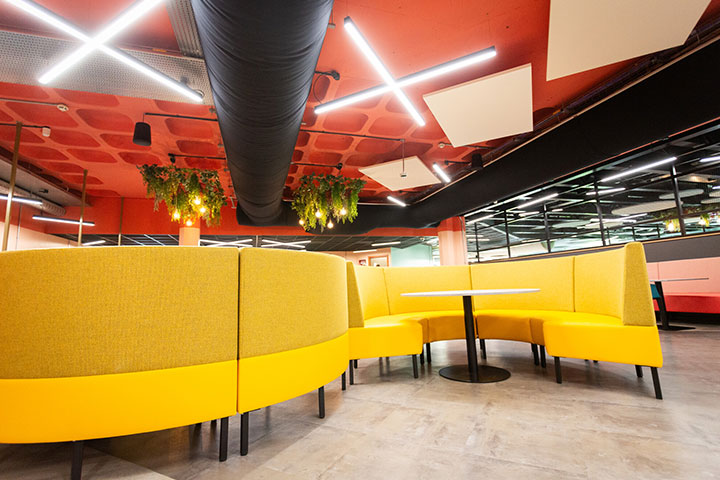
(62, 220)
(527, 214)
(475, 220)
(28, 201)
(273, 243)
(441, 173)
(383, 244)
(366, 251)
(124, 20)
(556, 210)
(421, 76)
(639, 169)
(538, 200)
(96, 242)
(396, 201)
(716, 188)
(710, 159)
(591, 193)
(381, 70)
(233, 243)
(59, 23)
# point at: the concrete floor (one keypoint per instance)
(602, 423)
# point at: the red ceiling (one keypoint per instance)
(409, 35)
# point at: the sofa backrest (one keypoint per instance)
(94, 311)
(367, 294)
(290, 300)
(401, 280)
(615, 283)
(553, 276)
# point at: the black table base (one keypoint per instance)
(674, 328)
(485, 374)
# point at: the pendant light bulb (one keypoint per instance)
(330, 224)
(197, 201)
(189, 223)
(343, 211)
(176, 215)
(318, 214)
(301, 221)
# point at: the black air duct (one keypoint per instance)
(261, 57)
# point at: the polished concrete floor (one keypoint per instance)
(602, 423)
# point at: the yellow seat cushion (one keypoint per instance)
(386, 336)
(539, 317)
(442, 325)
(604, 341)
(503, 324)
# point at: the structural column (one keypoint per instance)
(189, 236)
(452, 241)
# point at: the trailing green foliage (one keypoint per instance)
(320, 198)
(188, 193)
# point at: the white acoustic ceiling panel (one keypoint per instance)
(388, 174)
(586, 34)
(490, 107)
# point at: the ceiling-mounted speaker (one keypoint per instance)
(476, 161)
(141, 135)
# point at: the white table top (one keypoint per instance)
(471, 293)
(678, 279)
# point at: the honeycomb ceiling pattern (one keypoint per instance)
(96, 134)
(408, 35)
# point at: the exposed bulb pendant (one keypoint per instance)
(330, 224)
(343, 211)
(318, 214)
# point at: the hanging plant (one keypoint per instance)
(320, 199)
(189, 194)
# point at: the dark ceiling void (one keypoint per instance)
(261, 57)
(679, 97)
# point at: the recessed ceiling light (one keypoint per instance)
(396, 201)
(441, 173)
(639, 169)
(538, 200)
(383, 244)
(62, 220)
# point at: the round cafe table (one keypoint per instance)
(472, 372)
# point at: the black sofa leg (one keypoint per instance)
(536, 357)
(428, 353)
(224, 423)
(482, 347)
(355, 363)
(558, 370)
(422, 358)
(415, 366)
(344, 381)
(656, 383)
(244, 424)
(542, 356)
(321, 402)
(213, 423)
(352, 374)
(638, 371)
(77, 460)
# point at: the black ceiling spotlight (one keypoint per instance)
(141, 135)
(332, 73)
(172, 158)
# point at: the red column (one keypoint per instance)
(189, 236)
(452, 242)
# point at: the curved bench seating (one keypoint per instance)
(104, 342)
(582, 299)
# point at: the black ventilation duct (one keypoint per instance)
(261, 57)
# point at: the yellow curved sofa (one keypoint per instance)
(593, 306)
(293, 335)
(103, 342)
(106, 342)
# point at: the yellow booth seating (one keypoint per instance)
(293, 335)
(105, 342)
(595, 306)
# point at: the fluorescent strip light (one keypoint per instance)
(51, 18)
(62, 220)
(639, 169)
(556, 210)
(366, 251)
(273, 243)
(381, 70)
(716, 188)
(29, 201)
(527, 214)
(710, 159)
(96, 242)
(128, 17)
(441, 173)
(421, 76)
(591, 193)
(384, 244)
(475, 220)
(395, 200)
(537, 200)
